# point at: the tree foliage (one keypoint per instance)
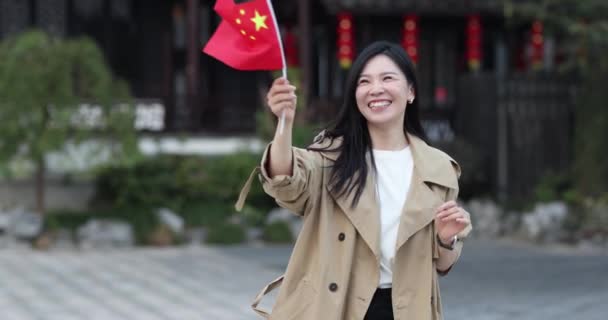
(581, 25)
(582, 29)
(44, 81)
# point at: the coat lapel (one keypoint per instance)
(418, 211)
(430, 167)
(365, 217)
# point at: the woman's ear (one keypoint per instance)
(411, 94)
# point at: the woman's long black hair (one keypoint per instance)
(349, 172)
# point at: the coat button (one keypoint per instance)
(333, 287)
(341, 236)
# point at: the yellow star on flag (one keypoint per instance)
(260, 21)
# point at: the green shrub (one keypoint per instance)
(65, 219)
(225, 176)
(226, 233)
(253, 216)
(202, 189)
(552, 187)
(277, 232)
(149, 183)
(205, 213)
(590, 149)
(143, 220)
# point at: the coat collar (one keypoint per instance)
(430, 167)
(429, 163)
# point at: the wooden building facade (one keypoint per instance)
(466, 56)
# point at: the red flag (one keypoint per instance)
(247, 37)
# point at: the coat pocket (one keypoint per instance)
(295, 304)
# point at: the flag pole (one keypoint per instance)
(274, 19)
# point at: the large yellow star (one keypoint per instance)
(260, 21)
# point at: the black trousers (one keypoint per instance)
(381, 307)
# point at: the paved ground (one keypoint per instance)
(492, 281)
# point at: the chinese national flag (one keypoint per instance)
(247, 37)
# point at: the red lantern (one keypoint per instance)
(537, 45)
(291, 49)
(474, 34)
(410, 36)
(345, 40)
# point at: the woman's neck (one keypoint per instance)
(387, 138)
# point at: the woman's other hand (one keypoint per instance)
(450, 220)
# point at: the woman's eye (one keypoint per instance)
(363, 81)
(388, 78)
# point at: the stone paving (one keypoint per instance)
(146, 284)
(493, 281)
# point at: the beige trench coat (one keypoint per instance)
(334, 268)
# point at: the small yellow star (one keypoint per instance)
(242, 12)
(238, 21)
(260, 21)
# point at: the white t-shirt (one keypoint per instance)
(394, 175)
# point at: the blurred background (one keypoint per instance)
(123, 149)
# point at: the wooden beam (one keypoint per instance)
(193, 62)
(305, 48)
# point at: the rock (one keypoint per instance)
(485, 217)
(105, 233)
(170, 219)
(43, 241)
(26, 225)
(161, 236)
(545, 222)
(236, 219)
(254, 234)
(587, 246)
(195, 236)
(295, 225)
(510, 223)
(280, 214)
(63, 239)
(5, 221)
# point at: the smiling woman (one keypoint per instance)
(380, 217)
(382, 94)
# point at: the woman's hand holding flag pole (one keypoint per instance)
(247, 40)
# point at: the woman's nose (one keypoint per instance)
(377, 88)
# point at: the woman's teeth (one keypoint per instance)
(379, 104)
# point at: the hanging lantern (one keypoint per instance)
(537, 45)
(410, 37)
(345, 40)
(291, 49)
(474, 34)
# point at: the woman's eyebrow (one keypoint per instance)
(381, 74)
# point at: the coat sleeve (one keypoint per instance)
(292, 192)
(452, 194)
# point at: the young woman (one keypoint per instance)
(378, 203)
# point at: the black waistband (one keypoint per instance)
(383, 292)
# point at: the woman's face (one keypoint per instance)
(383, 92)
